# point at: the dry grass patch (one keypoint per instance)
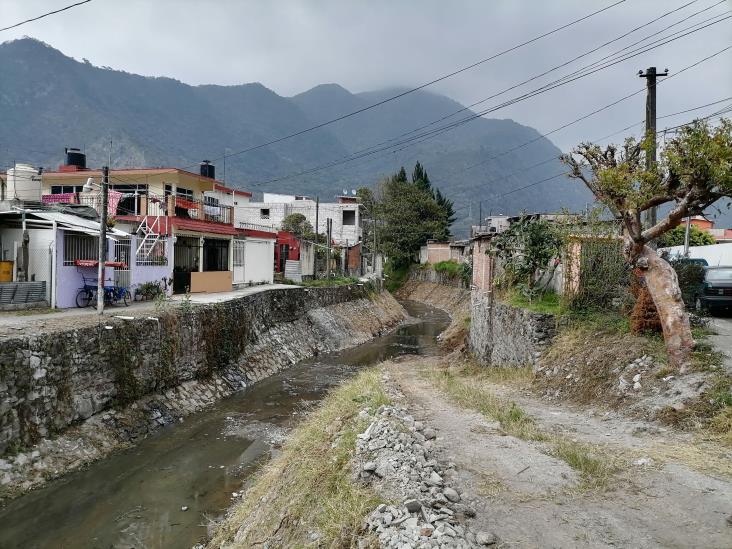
(466, 388)
(308, 487)
(594, 354)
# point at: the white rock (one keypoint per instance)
(184, 508)
(636, 378)
(637, 386)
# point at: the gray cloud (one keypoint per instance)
(290, 46)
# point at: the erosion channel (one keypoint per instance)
(136, 498)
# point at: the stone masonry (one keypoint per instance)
(188, 356)
(503, 335)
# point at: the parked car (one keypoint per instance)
(717, 289)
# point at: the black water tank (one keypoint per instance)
(208, 169)
(74, 157)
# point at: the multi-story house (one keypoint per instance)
(274, 208)
(180, 217)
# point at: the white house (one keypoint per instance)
(344, 214)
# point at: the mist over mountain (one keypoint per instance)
(49, 101)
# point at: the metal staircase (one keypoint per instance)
(150, 233)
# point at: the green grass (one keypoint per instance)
(453, 268)
(308, 487)
(327, 282)
(395, 276)
(546, 303)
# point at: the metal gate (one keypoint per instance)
(238, 276)
(123, 253)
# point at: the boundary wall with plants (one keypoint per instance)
(446, 273)
(177, 362)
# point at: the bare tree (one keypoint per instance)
(694, 171)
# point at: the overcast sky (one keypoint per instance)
(291, 46)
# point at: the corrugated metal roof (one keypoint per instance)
(68, 221)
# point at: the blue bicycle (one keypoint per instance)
(87, 294)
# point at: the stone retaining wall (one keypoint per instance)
(503, 335)
(186, 357)
(428, 274)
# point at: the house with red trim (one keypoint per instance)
(179, 218)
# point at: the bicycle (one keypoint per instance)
(112, 294)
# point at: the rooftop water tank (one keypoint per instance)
(74, 157)
(24, 183)
(208, 169)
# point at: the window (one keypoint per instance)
(210, 201)
(79, 246)
(185, 193)
(66, 189)
(349, 217)
(264, 213)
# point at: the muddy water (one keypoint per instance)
(134, 498)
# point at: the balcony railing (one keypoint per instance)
(149, 205)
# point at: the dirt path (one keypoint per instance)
(531, 499)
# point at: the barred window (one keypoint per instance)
(80, 246)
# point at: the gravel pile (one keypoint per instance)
(395, 454)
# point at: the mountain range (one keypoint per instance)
(49, 101)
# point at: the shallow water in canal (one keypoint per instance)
(133, 498)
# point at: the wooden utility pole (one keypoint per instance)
(102, 240)
(317, 232)
(651, 75)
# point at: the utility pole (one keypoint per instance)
(480, 216)
(317, 235)
(686, 236)
(327, 257)
(102, 241)
(651, 75)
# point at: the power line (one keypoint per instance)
(515, 172)
(421, 86)
(433, 133)
(45, 15)
(427, 135)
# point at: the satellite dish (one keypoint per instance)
(353, 192)
(345, 192)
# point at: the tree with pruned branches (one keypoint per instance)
(694, 171)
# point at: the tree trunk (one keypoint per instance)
(663, 285)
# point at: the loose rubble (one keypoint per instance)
(396, 455)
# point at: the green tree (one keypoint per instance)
(297, 224)
(676, 236)
(526, 248)
(420, 178)
(694, 171)
(407, 216)
(448, 211)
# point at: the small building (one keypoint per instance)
(60, 252)
(437, 251)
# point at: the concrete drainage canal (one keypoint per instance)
(166, 491)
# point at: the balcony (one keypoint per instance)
(138, 206)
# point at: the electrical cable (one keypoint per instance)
(45, 15)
